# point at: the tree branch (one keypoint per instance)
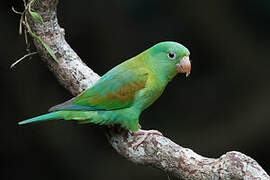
(156, 151)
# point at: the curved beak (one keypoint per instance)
(184, 66)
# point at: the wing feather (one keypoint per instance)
(115, 90)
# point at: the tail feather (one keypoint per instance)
(44, 117)
(83, 117)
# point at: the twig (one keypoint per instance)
(22, 58)
(17, 12)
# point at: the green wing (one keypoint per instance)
(115, 90)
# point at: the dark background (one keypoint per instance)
(222, 106)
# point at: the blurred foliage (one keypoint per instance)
(222, 106)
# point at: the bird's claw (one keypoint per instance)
(145, 133)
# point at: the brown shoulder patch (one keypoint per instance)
(126, 92)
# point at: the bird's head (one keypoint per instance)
(170, 58)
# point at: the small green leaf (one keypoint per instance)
(36, 16)
(48, 49)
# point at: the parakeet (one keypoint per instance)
(121, 94)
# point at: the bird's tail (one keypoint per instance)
(80, 116)
(45, 117)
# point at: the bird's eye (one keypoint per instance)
(171, 55)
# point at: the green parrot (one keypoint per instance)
(121, 94)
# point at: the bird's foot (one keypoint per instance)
(145, 133)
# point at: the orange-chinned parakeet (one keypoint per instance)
(121, 94)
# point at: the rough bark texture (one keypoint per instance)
(156, 151)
